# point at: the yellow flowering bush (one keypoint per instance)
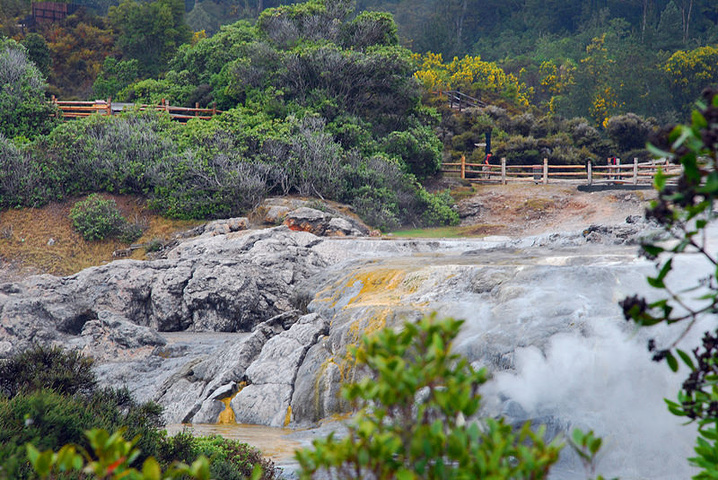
(473, 76)
(689, 71)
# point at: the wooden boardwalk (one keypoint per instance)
(633, 173)
(77, 109)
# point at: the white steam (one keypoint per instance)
(605, 382)
(562, 354)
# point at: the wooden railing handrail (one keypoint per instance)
(83, 108)
(628, 173)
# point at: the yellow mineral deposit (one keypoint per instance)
(226, 416)
(288, 416)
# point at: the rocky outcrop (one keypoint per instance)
(271, 378)
(226, 283)
(324, 219)
(635, 230)
(322, 224)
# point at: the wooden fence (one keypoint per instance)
(77, 109)
(634, 173)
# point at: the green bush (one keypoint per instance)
(436, 208)
(229, 459)
(111, 458)
(418, 148)
(22, 180)
(106, 153)
(50, 399)
(24, 111)
(49, 420)
(97, 218)
(64, 372)
(629, 131)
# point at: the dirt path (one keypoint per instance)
(519, 210)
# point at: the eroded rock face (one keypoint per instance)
(225, 283)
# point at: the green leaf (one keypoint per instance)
(665, 269)
(655, 282)
(659, 180)
(653, 250)
(672, 362)
(686, 359)
(151, 469)
(657, 152)
(698, 120)
(404, 474)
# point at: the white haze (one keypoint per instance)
(577, 363)
(605, 382)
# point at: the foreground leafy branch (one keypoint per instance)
(114, 457)
(413, 422)
(685, 211)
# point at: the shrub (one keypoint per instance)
(24, 111)
(106, 153)
(22, 181)
(436, 208)
(51, 399)
(49, 420)
(114, 458)
(198, 184)
(43, 417)
(229, 459)
(377, 188)
(629, 131)
(97, 218)
(413, 401)
(418, 148)
(65, 372)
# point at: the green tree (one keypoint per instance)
(114, 76)
(689, 71)
(38, 52)
(24, 110)
(416, 402)
(150, 32)
(79, 46)
(669, 32)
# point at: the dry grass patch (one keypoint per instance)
(42, 240)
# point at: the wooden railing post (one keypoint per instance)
(196, 106)
(618, 167)
(545, 171)
(463, 167)
(503, 170)
(635, 171)
(589, 172)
